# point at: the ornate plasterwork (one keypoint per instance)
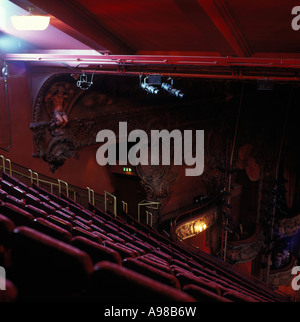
(288, 227)
(282, 277)
(55, 142)
(246, 250)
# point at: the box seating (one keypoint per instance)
(53, 241)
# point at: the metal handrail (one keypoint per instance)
(150, 204)
(115, 202)
(59, 187)
(3, 164)
(34, 176)
(91, 195)
(125, 206)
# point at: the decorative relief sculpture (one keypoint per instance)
(247, 161)
(57, 102)
(243, 251)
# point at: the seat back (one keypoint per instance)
(114, 283)
(46, 268)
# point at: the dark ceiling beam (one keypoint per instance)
(76, 21)
(219, 13)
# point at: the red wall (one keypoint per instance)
(81, 171)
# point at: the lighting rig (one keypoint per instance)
(153, 83)
(83, 82)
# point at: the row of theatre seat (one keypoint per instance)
(53, 249)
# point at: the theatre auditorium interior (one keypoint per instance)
(218, 82)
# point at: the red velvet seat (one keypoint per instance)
(15, 201)
(84, 213)
(7, 186)
(17, 215)
(6, 228)
(80, 224)
(49, 209)
(36, 211)
(60, 222)
(45, 192)
(155, 264)
(10, 294)
(86, 222)
(102, 236)
(116, 238)
(10, 179)
(78, 231)
(152, 272)
(96, 251)
(18, 192)
(238, 297)
(45, 226)
(117, 284)
(46, 269)
(140, 250)
(203, 295)
(3, 195)
(63, 215)
(185, 279)
(32, 200)
(121, 249)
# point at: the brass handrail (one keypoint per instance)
(59, 187)
(125, 206)
(36, 177)
(149, 204)
(38, 180)
(91, 196)
(3, 164)
(147, 218)
(115, 202)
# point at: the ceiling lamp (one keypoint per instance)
(30, 22)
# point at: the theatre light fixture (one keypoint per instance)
(153, 83)
(83, 83)
(150, 83)
(30, 22)
(171, 89)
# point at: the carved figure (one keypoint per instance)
(57, 103)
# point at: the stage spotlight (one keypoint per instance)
(172, 90)
(150, 82)
(83, 82)
(149, 88)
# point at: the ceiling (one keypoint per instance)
(193, 38)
